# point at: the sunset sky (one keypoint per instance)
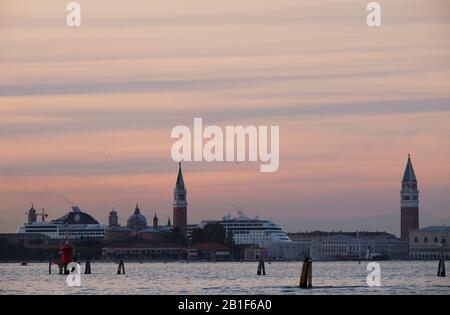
(86, 113)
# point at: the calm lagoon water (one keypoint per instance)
(397, 277)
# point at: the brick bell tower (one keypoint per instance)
(409, 202)
(180, 204)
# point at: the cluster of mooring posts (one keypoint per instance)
(306, 276)
(66, 258)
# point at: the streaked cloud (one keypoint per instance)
(86, 113)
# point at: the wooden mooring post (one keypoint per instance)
(121, 269)
(261, 268)
(306, 276)
(87, 268)
(441, 268)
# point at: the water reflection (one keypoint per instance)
(226, 278)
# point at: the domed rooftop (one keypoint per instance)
(137, 221)
(76, 217)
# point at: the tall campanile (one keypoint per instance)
(180, 204)
(409, 202)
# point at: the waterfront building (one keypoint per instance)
(29, 240)
(393, 249)
(212, 251)
(24, 246)
(353, 245)
(256, 252)
(144, 251)
(409, 202)
(318, 235)
(429, 243)
(290, 250)
(342, 247)
(189, 229)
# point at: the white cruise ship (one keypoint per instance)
(74, 225)
(248, 231)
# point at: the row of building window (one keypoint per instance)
(425, 239)
(334, 242)
(435, 256)
(408, 198)
(399, 248)
(229, 226)
(433, 249)
(83, 234)
(147, 251)
(334, 250)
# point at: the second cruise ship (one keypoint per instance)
(247, 231)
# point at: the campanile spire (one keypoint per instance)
(409, 201)
(180, 203)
